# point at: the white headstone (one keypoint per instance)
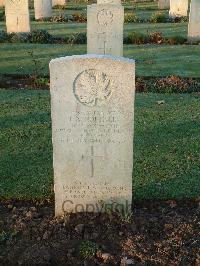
(43, 9)
(92, 108)
(163, 4)
(17, 16)
(2, 2)
(105, 29)
(194, 21)
(178, 8)
(58, 2)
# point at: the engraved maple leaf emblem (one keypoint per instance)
(92, 87)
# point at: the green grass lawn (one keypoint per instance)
(151, 60)
(166, 150)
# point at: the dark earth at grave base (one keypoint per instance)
(157, 233)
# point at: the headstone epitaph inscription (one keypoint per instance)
(92, 131)
(17, 16)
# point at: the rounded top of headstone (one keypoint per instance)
(93, 56)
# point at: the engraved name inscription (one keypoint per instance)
(93, 127)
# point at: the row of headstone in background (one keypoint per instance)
(18, 21)
(17, 16)
(105, 27)
(105, 21)
(179, 8)
(58, 2)
(163, 4)
(43, 8)
(194, 21)
(17, 13)
(54, 2)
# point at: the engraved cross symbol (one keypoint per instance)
(92, 156)
(102, 39)
(104, 47)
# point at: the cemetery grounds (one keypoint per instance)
(163, 227)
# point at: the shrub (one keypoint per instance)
(79, 17)
(77, 38)
(88, 249)
(40, 36)
(158, 17)
(173, 84)
(61, 18)
(178, 19)
(130, 18)
(177, 40)
(19, 37)
(136, 38)
(2, 15)
(156, 37)
(59, 7)
(4, 37)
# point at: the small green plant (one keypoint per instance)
(37, 79)
(42, 82)
(88, 249)
(4, 236)
(177, 19)
(136, 38)
(61, 7)
(2, 15)
(156, 37)
(79, 17)
(40, 36)
(19, 37)
(61, 18)
(177, 40)
(125, 216)
(4, 37)
(129, 18)
(77, 38)
(158, 17)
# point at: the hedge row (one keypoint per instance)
(42, 36)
